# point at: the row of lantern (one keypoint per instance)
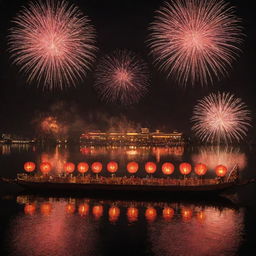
(132, 167)
(114, 212)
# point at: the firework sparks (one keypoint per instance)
(121, 77)
(53, 43)
(195, 40)
(220, 117)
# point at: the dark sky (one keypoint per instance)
(121, 24)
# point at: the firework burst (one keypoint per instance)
(195, 40)
(53, 43)
(220, 118)
(121, 77)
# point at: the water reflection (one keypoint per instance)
(7, 149)
(213, 156)
(58, 226)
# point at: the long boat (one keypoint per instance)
(88, 183)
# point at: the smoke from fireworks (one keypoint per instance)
(195, 40)
(220, 117)
(121, 77)
(52, 43)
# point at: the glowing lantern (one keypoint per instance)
(96, 167)
(200, 169)
(221, 170)
(186, 214)
(132, 214)
(29, 166)
(45, 167)
(83, 209)
(69, 167)
(83, 167)
(150, 167)
(185, 168)
(30, 209)
(112, 167)
(132, 167)
(70, 208)
(168, 168)
(151, 214)
(46, 209)
(97, 211)
(113, 213)
(168, 213)
(201, 216)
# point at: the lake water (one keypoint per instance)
(36, 225)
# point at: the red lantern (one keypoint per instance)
(113, 213)
(45, 167)
(70, 208)
(29, 166)
(97, 211)
(69, 167)
(150, 167)
(83, 209)
(200, 169)
(30, 209)
(132, 214)
(168, 213)
(46, 209)
(112, 167)
(221, 170)
(83, 167)
(96, 167)
(186, 214)
(168, 168)
(151, 214)
(185, 168)
(132, 167)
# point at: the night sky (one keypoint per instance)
(120, 25)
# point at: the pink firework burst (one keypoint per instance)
(121, 77)
(195, 40)
(53, 43)
(220, 118)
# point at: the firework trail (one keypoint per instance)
(195, 40)
(121, 77)
(53, 43)
(220, 118)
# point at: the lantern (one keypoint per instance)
(113, 213)
(97, 211)
(46, 209)
(83, 209)
(168, 168)
(185, 168)
(221, 170)
(96, 167)
(151, 214)
(132, 167)
(70, 208)
(83, 167)
(186, 214)
(45, 167)
(132, 214)
(30, 209)
(200, 169)
(29, 166)
(112, 167)
(150, 167)
(168, 213)
(201, 216)
(69, 167)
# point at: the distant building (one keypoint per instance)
(145, 137)
(6, 138)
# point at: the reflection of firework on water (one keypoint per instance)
(121, 77)
(52, 43)
(220, 117)
(195, 40)
(214, 156)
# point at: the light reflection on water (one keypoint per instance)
(52, 226)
